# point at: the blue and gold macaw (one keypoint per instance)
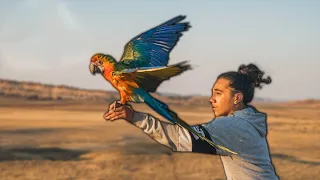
(143, 67)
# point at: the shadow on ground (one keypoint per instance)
(126, 145)
(141, 146)
(54, 154)
(294, 159)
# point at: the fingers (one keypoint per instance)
(111, 106)
(114, 110)
(118, 112)
(114, 115)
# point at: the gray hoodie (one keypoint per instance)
(243, 132)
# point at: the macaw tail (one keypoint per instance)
(164, 111)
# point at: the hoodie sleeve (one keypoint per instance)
(170, 135)
(173, 136)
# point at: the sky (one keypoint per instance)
(52, 41)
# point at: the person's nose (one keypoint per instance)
(212, 99)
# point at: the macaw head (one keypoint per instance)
(99, 62)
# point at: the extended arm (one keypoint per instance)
(171, 135)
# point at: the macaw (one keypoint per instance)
(143, 67)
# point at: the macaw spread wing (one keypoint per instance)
(152, 47)
(149, 78)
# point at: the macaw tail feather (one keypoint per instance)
(164, 111)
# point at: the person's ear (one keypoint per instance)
(238, 98)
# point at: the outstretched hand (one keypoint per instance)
(118, 111)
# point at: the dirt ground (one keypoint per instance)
(46, 140)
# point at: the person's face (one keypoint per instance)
(222, 99)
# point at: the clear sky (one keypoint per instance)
(51, 41)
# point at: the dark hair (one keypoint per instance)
(245, 80)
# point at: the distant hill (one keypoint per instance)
(40, 91)
(309, 103)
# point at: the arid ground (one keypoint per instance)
(65, 140)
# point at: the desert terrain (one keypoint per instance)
(50, 140)
(46, 139)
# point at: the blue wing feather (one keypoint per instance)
(152, 48)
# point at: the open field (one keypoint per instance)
(65, 140)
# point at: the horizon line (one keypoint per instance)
(160, 93)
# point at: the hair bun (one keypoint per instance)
(243, 69)
(255, 74)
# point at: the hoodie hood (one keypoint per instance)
(253, 117)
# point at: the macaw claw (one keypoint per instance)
(116, 104)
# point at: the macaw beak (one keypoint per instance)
(95, 69)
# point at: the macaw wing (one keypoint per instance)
(149, 78)
(152, 48)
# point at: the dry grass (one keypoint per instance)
(42, 140)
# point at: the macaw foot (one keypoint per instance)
(119, 103)
(116, 104)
